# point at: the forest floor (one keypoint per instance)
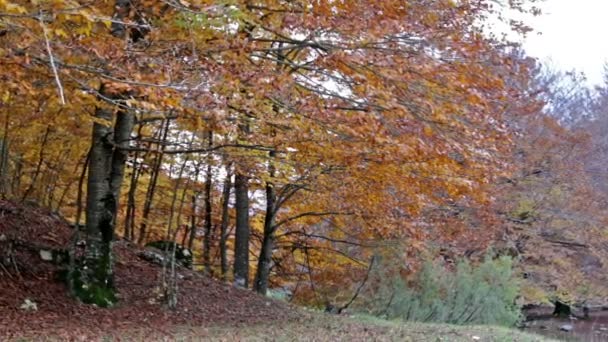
(35, 306)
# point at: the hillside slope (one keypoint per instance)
(25, 230)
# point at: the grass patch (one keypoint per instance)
(326, 327)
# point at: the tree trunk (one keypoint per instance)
(94, 281)
(265, 258)
(130, 214)
(129, 222)
(225, 222)
(92, 276)
(4, 153)
(170, 285)
(152, 186)
(208, 223)
(38, 165)
(241, 245)
(125, 122)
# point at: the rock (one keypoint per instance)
(183, 255)
(58, 257)
(566, 327)
(46, 255)
(28, 305)
(152, 256)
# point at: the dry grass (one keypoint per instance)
(324, 327)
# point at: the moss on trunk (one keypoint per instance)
(94, 286)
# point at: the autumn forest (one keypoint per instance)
(342, 155)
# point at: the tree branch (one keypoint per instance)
(52, 59)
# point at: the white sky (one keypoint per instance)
(573, 34)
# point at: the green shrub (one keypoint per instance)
(484, 294)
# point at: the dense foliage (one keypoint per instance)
(482, 294)
(283, 142)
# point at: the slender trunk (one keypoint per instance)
(130, 214)
(171, 284)
(225, 222)
(77, 228)
(194, 215)
(38, 165)
(241, 244)
(52, 177)
(186, 234)
(17, 174)
(192, 230)
(4, 152)
(152, 186)
(182, 201)
(265, 258)
(208, 223)
(66, 190)
(129, 223)
(81, 179)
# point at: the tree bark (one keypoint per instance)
(129, 222)
(125, 122)
(152, 186)
(265, 257)
(4, 153)
(95, 283)
(93, 276)
(225, 222)
(208, 212)
(194, 216)
(241, 245)
(38, 165)
(106, 173)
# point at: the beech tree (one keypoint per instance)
(360, 113)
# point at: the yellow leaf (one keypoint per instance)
(13, 8)
(60, 33)
(428, 131)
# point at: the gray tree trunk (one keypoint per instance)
(225, 222)
(4, 153)
(265, 259)
(241, 244)
(93, 279)
(152, 184)
(125, 122)
(208, 211)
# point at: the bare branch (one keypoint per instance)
(52, 59)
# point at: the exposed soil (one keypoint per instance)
(202, 301)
